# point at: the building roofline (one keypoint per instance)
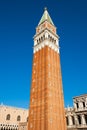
(80, 96)
(13, 107)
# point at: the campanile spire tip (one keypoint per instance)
(45, 8)
(46, 17)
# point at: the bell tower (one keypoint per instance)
(46, 100)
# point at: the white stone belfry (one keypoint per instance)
(46, 34)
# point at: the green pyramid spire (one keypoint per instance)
(46, 17)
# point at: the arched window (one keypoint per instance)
(86, 119)
(18, 118)
(39, 40)
(52, 39)
(8, 117)
(73, 120)
(49, 37)
(79, 119)
(67, 121)
(77, 105)
(1, 128)
(43, 37)
(27, 119)
(83, 104)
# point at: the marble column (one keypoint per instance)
(76, 120)
(70, 120)
(83, 122)
(75, 106)
(80, 105)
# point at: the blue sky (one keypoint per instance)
(18, 20)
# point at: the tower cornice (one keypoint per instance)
(46, 34)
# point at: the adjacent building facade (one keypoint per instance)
(76, 117)
(46, 110)
(10, 117)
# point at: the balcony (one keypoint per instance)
(80, 109)
(77, 126)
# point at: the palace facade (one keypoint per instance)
(10, 117)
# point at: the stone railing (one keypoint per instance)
(77, 126)
(80, 109)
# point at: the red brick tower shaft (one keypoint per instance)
(46, 102)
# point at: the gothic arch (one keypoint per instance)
(8, 117)
(18, 118)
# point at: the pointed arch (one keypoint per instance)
(8, 117)
(18, 118)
